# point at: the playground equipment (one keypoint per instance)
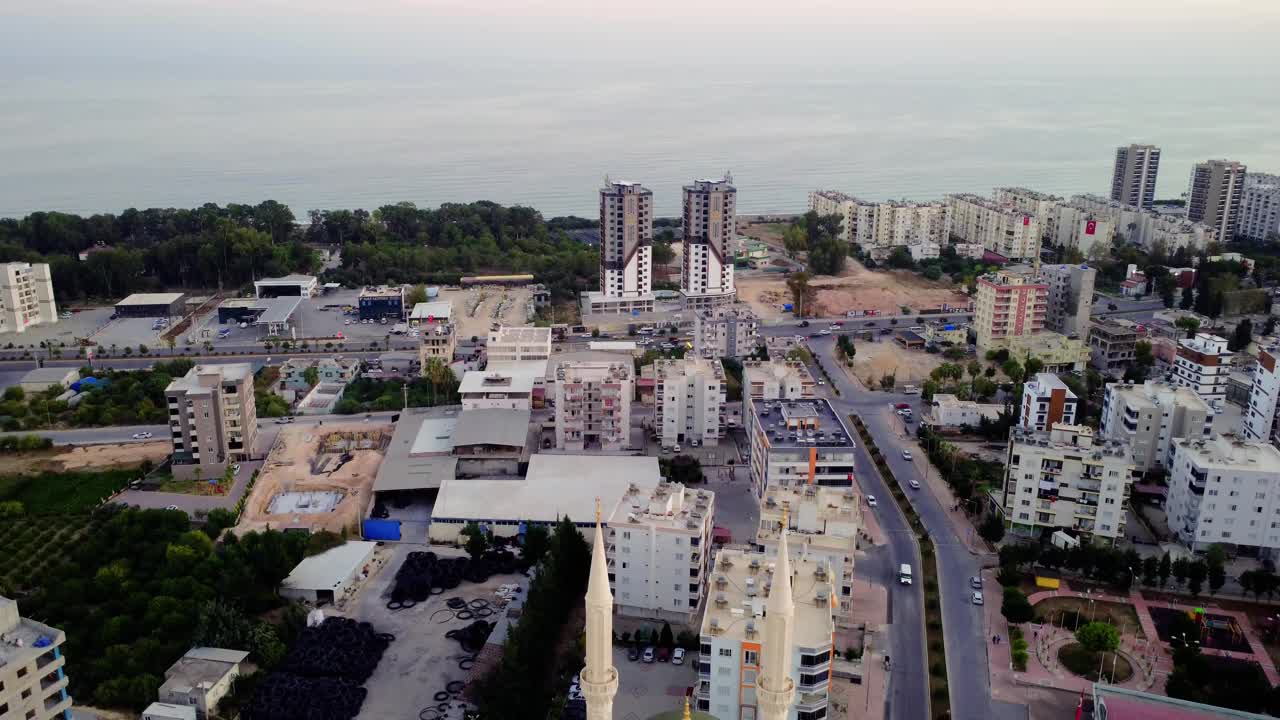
(1210, 625)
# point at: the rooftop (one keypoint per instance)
(506, 381)
(48, 374)
(689, 365)
(200, 668)
(419, 454)
(614, 370)
(668, 505)
(1072, 439)
(818, 517)
(1230, 452)
(293, 279)
(778, 369)
(492, 426)
(804, 423)
(382, 291)
(524, 334)
(740, 584)
(190, 383)
(330, 568)
(1148, 393)
(555, 486)
(724, 313)
(1045, 383)
(612, 345)
(150, 299)
(1117, 703)
(23, 638)
(433, 311)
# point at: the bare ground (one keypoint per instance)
(82, 457)
(857, 288)
(875, 360)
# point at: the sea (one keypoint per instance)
(362, 137)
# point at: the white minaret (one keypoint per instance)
(599, 677)
(775, 690)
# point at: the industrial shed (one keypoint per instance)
(287, 286)
(152, 305)
(322, 578)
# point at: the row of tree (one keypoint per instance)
(819, 236)
(121, 397)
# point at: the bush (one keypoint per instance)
(1016, 608)
(1019, 658)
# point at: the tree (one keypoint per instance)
(992, 528)
(1032, 366)
(1242, 336)
(417, 294)
(311, 376)
(1217, 578)
(794, 240)
(1181, 566)
(536, 541)
(802, 293)
(666, 638)
(1188, 299)
(1098, 637)
(1196, 573)
(1015, 608)
(684, 469)
(662, 253)
(974, 368)
(1013, 370)
(1166, 567)
(1189, 324)
(477, 540)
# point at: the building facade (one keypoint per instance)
(382, 303)
(1070, 298)
(26, 296)
(1042, 205)
(1151, 417)
(33, 684)
(1082, 230)
(1258, 421)
(689, 397)
(626, 249)
(1113, 346)
(798, 442)
(1000, 228)
(1133, 180)
(496, 389)
(1009, 304)
(1223, 490)
(1066, 479)
(884, 224)
(593, 405)
(947, 411)
(518, 343)
(293, 372)
(1215, 195)
(732, 332)
(660, 551)
(776, 380)
(1260, 206)
(710, 242)
(1202, 364)
(201, 678)
(1047, 402)
(1143, 227)
(213, 419)
(436, 341)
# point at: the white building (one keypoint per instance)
(925, 251)
(776, 380)
(518, 343)
(1145, 228)
(973, 251)
(1260, 207)
(1047, 402)
(689, 399)
(1082, 230)
(1258, 421)
(1223, 490)
(626, 250)
(202, 677)
(33, 681)
(593, 405)
(732, 332)
(1202, 364)
(1151, 417)
(512, 390)
(798, 442)
(660, 551)
(735, 635)
(883, 224)
(1043, 205)
(948, 411)
(822, 524)
(710, 235)
(1065, 479)
(1000, 228)
(26, 296)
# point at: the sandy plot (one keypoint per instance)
(312, 462)
(855, 289)
(875, 360)
(475, 309)
(83, 457)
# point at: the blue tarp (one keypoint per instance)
(42, 641)
(381, 529)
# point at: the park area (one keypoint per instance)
(1072, 612)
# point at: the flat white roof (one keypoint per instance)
(612, 345)
(442, 310)
(481, 381)
(288, 280)
(555, 486)
(150, 299)
(329, 569)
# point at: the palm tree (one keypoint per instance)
(437, 373)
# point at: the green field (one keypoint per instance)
(68, 493)
(29, 545)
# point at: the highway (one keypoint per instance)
(962, 621)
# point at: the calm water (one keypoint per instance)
(365, 136)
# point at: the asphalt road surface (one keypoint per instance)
(268, 428)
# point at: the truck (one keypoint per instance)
(911, 389)
(904, 574)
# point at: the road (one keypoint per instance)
(268, 428)
(962, 621)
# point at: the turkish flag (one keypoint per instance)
(1090, 226)
(1026, 219)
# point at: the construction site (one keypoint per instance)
(317, 478)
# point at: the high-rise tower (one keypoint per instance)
(599, 677)
(775, 690)
(1214, 197)
(626, 249)
(1133, 181)
(710, 232)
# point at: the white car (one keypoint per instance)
(871, 501)
(826, 332)
(677, 656)
(235, 469)
(171, 507)
(346, 322)
(821, 381)
(906, 454)
(977, 598)
(142, 436)
(915, 484)
(676, 448)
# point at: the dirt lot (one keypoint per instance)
(874, 360)
(474, 308)
(306, 459)
(855, 289)
(96, 457)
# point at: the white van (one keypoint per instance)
(904, 574)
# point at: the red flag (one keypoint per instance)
(1026, 219)
(1090, 226)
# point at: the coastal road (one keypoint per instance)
(962, 621)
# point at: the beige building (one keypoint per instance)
(1112, 345)
(883, 224)
(948, 411)
(660, 550)
(732, 332)
(213, 419)
(33, 685)
(689, 397)
(1009, 304)
(823, 524)
(201, 678)
(626, 250)
(1083, 230)
(1215, 195)
(776, 380)
(1000, 228)
(436, 342)
(26, 296)
(1066, 479)
(946, 333)
(1146, 228)
(593, 405)
(1133, 181)
(1043, 205)
(1150, 417)
(710, 235)
(518, 343)
(1070, 298)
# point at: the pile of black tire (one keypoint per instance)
(423, 574)
(473, 636)
(321, 676)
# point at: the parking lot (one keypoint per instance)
(648, 689)
(129, 332)
(81, 324)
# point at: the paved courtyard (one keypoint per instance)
(645, 689)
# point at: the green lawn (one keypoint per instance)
(67, 493)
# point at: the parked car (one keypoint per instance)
(346, 322)
(915, 484)
(906, 454)
(648, 655)
(677, 656)
(171, 507)
(664, 654)
(804, 323)
(633, 653)
(826, 332)
(142, 436)
(871, 501)
(977, 598)
(975, 582)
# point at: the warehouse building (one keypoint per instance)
(152, 305)
(328, 576)
(41, 379)
(377, 303)
(288, 286)
(200, 679)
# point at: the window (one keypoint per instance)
(726, 652)
(750, 657)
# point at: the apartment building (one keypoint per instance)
(1009, 304)
(710, 238)
(1223, 490)
(732, 332)
(1150, 417)
(1046, 402)
(776, 380)
(518, 343)
(1202, 364)
(689, 397)
(32, 682)
(883, 224)
(1258, 421)
(660, 551)
(593, 405)
(1113, 345)
(822, 524)
(1042, 205)
(734, 629)
(1082, 230)
(626, 250)
(1260, 206)
(1070, 298)
(1133, 180)
(1066, 479)
(946, 411)
(798, 442)
(26, 296)
(436, 341)
(1215, 195)
(496, 389)
(213, 419)
(1145, 228)
(1000, 228)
